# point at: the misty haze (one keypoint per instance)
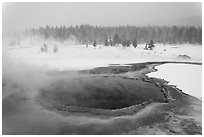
(102, 68)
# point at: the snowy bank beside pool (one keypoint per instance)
(186, 77)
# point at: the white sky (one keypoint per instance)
(17, 16)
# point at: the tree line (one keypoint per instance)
(125, 35)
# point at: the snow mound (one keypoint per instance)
(186, 77)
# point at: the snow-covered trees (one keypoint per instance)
(84, 33)
(94, 44)
(151, 44)
(44, 48)
(55, 49)
(134, 43)
(106, 42)
(116, 39)
(126, 43)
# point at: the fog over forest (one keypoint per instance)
(125, 35)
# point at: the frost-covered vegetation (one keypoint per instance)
(124, 35)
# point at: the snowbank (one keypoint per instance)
(186, 77)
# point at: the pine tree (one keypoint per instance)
(116, 39)
(111, 42)
(134, 43)
(151, 44)
(94, 44)
(106, 42)
(126, 43)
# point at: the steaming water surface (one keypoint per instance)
(23, 114)
(100, 92)
(187, 77)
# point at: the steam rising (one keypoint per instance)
(22, 75)
(100, 92)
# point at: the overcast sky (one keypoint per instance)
(18, 16)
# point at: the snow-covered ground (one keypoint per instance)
(186, 77)
(78, 57)
(25, 64)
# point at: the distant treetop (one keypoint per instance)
(114, 35)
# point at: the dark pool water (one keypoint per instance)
(100, 92)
